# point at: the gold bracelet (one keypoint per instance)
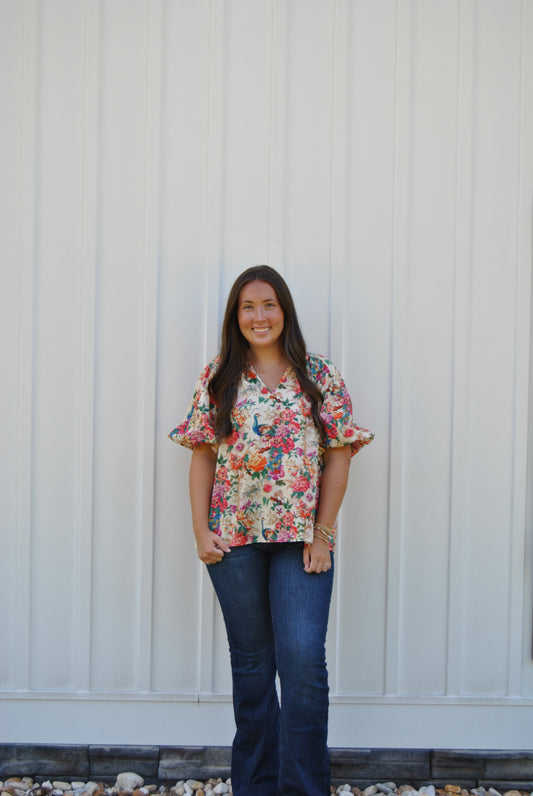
(324, 533)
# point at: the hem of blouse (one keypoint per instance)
(331, 547)
(185, 442)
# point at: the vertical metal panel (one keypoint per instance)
(427, 364)
(491, 353)
(57, 295)
(399, 311)
(182, 316)
(366, 343)
(148, 351)
(83, 564)
(119, 341)
(11, 69)
(526, 257)
(26, 353)
(519, 581)
(17, 96)
(457, 570)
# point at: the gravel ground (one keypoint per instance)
(130, 784)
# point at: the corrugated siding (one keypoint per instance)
(379, 153)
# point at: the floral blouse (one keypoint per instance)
(268, 471)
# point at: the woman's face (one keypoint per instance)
(260, 316)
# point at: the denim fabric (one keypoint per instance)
(276, 619)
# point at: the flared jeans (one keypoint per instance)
(276, 619)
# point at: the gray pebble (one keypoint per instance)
(127, 780)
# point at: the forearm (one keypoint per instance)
(211, 548)
(333, 484)
(317, 557)
(201, 477)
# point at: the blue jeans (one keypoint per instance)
(276, 619)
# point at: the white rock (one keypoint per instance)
(384, 787)
(370, 791)
(221, 788)
(343, 789)
(127, 780)
(429, 790)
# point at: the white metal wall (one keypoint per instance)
(380, 154)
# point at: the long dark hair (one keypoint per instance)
(234, 350)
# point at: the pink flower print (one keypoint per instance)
(287, 444)
(278, 473)
(300, 484)
(287, 520)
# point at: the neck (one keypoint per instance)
(267, 359)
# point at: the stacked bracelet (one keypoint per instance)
(324, 533)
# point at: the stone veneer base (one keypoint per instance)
(503, 770)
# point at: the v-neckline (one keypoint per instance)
(282, 379)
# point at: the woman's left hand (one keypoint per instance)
(317, 557)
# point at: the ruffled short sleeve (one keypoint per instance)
(198, 426)
(336, 410)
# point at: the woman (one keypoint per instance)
(271, 431)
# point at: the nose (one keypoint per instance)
(259, 313)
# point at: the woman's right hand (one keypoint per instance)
(211, 548)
